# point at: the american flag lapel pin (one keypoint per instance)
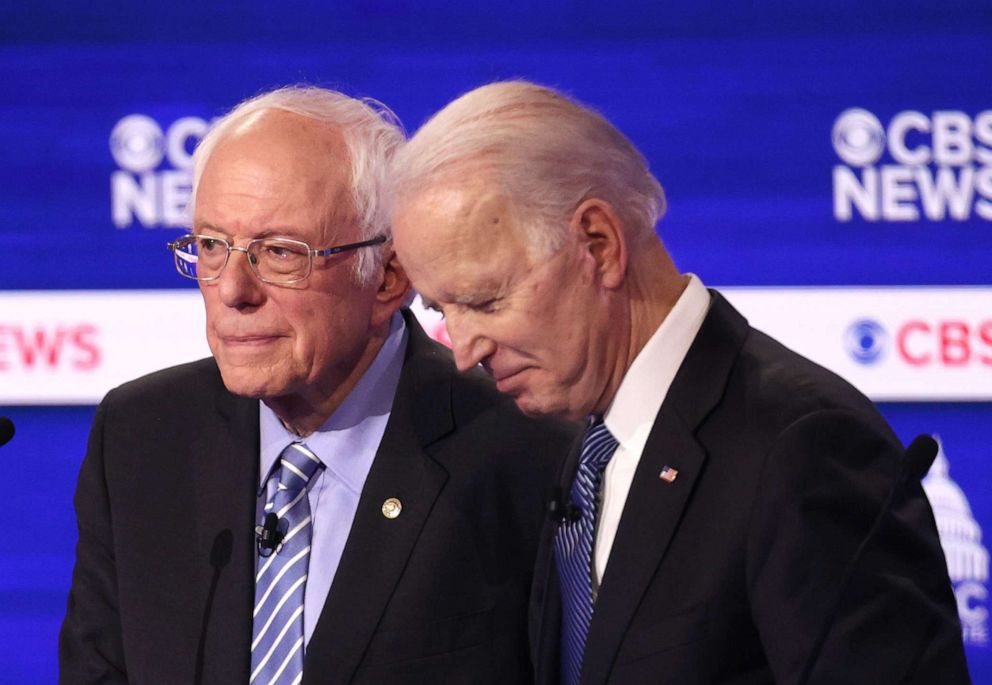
(668, 474)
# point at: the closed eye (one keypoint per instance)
(486, 306)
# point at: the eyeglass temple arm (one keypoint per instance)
(351, 246)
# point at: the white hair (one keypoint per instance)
(372, 134)
(544, 151)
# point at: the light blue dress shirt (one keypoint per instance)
(346, 443)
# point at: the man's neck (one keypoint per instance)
(304, 412)
(652, 287)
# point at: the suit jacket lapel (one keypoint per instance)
(650, 518)
(378, 547)
(654, 507)
(225, 463)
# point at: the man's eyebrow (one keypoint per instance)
(272, 232)
(479, 294)
(209, 226)
(474, 296)
(280, 232)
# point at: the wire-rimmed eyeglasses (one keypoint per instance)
(281, 261)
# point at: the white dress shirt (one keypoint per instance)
(632, 413)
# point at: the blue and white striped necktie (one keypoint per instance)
(281, 578)
(573, 549)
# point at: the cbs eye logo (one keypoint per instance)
(866, 341)
(137, 143)
(153, 181)
(858, 137)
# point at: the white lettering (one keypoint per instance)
(951, 138)
(943, 190)
(900, 125)
(898, 194)
(849, 190)
(983, 184)
(983, 134)
(132, 199)
(176, 189)
(969, 596)
(179, 135)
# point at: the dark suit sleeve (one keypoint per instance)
(90, 645)
(823, 484)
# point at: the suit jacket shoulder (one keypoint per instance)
(727, 572)
(165, 506)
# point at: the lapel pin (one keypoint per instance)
(668, 474)
(391, 508)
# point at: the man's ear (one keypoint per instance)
(394, 286)
(600, 233)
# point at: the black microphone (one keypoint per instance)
(267, 535)
(6, 430)
(916, 462)
(560, 509)
(220, 557)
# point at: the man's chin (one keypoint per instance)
(248, 383)
(535, 407)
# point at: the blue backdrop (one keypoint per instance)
(734, 104)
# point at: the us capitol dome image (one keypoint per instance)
(961, 538)
(960, 535)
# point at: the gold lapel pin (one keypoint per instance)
(668, 474)
(391, 508)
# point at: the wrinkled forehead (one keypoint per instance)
(294, 163)
(452, 237)
(460, 216)
(303, 148)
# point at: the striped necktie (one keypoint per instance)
(573, 550)
(281, 578)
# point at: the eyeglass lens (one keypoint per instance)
(274, 260)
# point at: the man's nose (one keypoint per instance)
(469, 344)
(238, 286)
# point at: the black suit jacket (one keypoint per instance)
(162, 591)
(726, 574)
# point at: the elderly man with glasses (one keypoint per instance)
(325, 499)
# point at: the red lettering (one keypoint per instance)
(4, 332)
(955, 348)
(985, 333)
(82, 337)
(40, 346)
(902, 342)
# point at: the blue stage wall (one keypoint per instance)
(738, 107)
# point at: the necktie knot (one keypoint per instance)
(598, 446)
(298, 465)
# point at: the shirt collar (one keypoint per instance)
(341, 441)
(645, 385)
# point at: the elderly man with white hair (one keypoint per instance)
(709, 523)
(325, 499)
